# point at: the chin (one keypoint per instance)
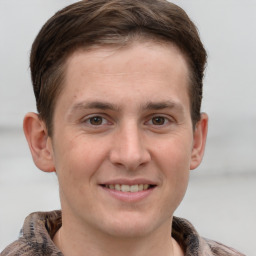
(128, 232)
(129, 226)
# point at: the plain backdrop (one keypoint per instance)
(221, 198)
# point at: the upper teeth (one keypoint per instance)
(127, 188)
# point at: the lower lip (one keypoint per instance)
(129, 196)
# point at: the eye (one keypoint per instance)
(158, 120)
(96, 121)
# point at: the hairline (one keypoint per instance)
(128, 41)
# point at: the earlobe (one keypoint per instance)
(39, 143)
(200, 135)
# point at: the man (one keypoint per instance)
(118, 86)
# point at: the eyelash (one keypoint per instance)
(90, 119)
(162, 118)
(103, 121)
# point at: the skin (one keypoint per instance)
(122, 117)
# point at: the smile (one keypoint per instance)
(127, 188)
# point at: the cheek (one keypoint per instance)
(174, 154)
(78, 160)
(176, 169)
(175, 179)
(174, 160)
(75, 171)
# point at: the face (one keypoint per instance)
(123, 140)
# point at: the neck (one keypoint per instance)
(74, 242)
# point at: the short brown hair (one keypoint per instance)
(111, 22)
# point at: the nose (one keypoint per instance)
(129, 148)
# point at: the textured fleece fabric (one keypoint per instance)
(39, 228)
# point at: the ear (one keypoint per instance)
(200, 134)
(39, 142)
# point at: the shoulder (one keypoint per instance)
(36, 236)
(22, 247)
(219, 249)
(193, 244)
(17, 248)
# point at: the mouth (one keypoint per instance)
(129, 188)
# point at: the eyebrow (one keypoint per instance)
(94, 105)
(163, 105)
(109, 106)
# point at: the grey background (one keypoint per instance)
(221, 198)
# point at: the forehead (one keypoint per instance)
(147, 67)
(136, 58)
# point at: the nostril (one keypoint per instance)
(129, 160)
